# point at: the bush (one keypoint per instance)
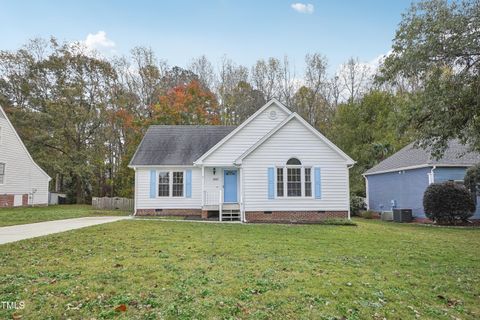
(369, 214)
(472, 180)
(447, 203)
(356, 205)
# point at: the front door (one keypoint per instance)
(230, 186)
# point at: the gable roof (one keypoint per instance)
(4, 116)
(411, 157)
(177, 144)
(294, 115)
(242, 125)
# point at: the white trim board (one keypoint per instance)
(420, 166)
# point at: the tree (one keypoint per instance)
(355, 78)
(186, 104)
(229, 78)
(448, 203)
(266, 77)
(203, 68)
(367, 131)
(436, 47)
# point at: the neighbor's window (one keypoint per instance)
(294, 182)
(308, 182)
(2, 173)
(177, 184)
(279, 182)
(164, 184)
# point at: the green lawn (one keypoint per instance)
(183, 270)
(13, 216)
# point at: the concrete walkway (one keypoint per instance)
(32, 230)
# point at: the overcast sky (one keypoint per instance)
(180, 30)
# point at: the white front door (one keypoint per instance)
(17, 200)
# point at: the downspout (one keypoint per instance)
(432, 174)
(135, 193)
(348, 188)
(366, 191)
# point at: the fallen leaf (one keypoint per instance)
(121, 308)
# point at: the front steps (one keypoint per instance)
(230, 215)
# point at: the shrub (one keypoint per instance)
(367, 214)
(356, 205)
(472, 181)
(447, 203)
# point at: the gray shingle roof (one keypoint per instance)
(177, 144)
(455, 154)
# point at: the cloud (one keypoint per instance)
(303, 7)
(98, 41)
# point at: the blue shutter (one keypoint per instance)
(271, 188)
(318, 184)
(153, 183)
(188, 183)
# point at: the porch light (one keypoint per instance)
(214, 171)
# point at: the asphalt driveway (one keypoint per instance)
(32, 230)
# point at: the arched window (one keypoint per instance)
(293, 162)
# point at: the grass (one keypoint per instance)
(176, 270)
(14, 216)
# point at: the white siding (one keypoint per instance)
(144, 201)
(21, 174)
(295, 140)
(227, 153)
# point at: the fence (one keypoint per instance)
(124, 204)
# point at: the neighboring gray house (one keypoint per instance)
(400, 180)
(273, 167)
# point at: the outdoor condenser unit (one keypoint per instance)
(387, 215)
(402, 215)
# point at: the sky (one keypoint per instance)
(178, 31)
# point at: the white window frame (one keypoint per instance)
(302, 181)
(4, 174)
(170, 184)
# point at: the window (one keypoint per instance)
(308, 182)
(177, 184)
(2, 173)
(164, 184)
(279, 182)
(294, 182)
(293, 162)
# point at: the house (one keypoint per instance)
(22, 181)
(274, 167)
(400, 180)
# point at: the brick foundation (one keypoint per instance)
(169, 212)
(6, 200)
(294, 216)
(25, 200)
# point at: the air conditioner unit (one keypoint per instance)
(402, 215)
(387, 216)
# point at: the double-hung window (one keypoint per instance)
(177, 184)
(294, 180)
(170, 183)
(164, 184)
(2, 173)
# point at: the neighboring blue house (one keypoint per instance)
(400, 180)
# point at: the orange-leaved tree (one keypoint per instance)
(186, 104)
